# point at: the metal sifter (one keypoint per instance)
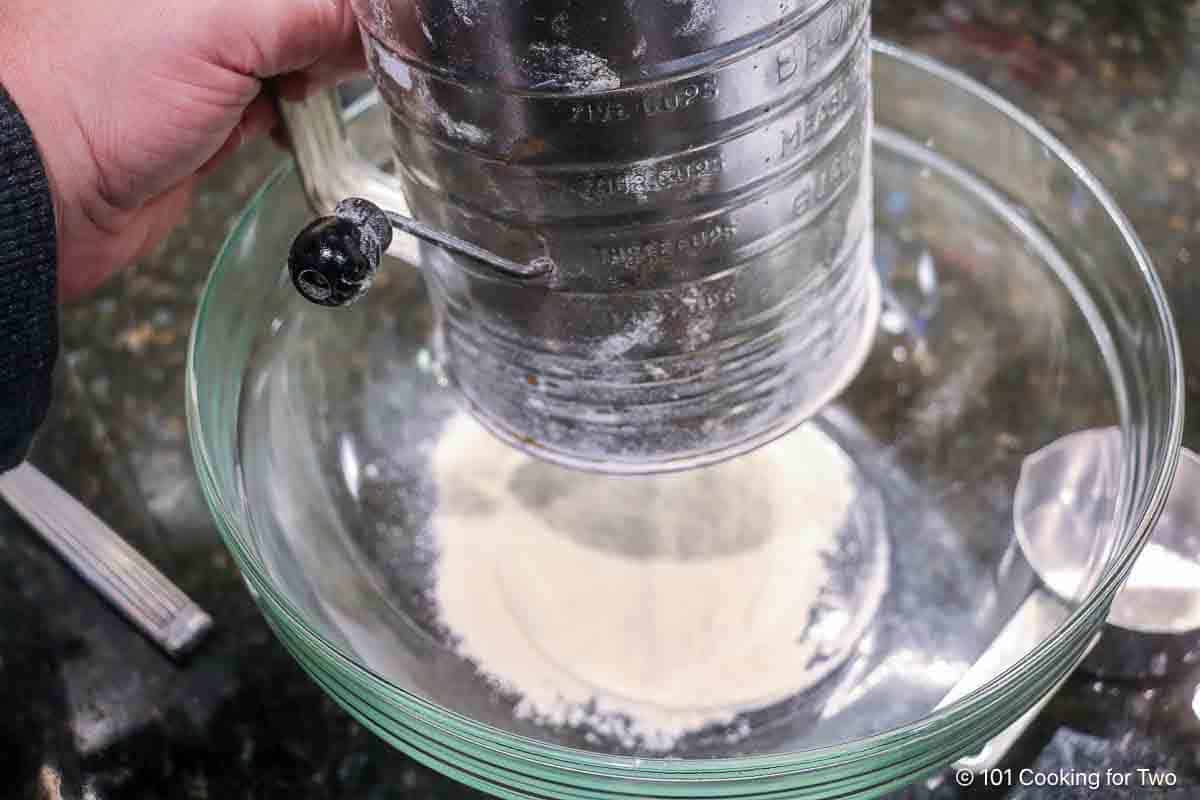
(645, 226)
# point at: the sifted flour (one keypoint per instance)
(643, 608)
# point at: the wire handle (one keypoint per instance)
(333, 261)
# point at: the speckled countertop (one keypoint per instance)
(91, 710)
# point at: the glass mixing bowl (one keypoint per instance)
(1020, 307)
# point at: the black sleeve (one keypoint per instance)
(28, 301)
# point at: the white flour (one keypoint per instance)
(570, 69)
(467, 10)
(643, 331)
(638, 608)
(699, 16)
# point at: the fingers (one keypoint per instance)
(265, 38)
(259, 118)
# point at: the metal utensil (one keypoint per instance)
(1065, 494)
(156, 606)
(1153, 627)
(647, 227)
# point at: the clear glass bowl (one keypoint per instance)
(1020, 307)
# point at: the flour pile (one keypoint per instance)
(641, 609)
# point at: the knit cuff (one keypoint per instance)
(28, 292)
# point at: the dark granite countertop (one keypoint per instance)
(93, 711)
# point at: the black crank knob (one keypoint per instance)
(333, 261)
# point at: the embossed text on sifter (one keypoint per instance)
(693, 178)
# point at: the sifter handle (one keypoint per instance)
(335, 258)
(329, 167)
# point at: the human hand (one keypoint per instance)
(131, 101)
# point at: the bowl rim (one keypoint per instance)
(958, 717)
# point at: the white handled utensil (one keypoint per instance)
(155, 605)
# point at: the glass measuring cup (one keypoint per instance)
(693, 178)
